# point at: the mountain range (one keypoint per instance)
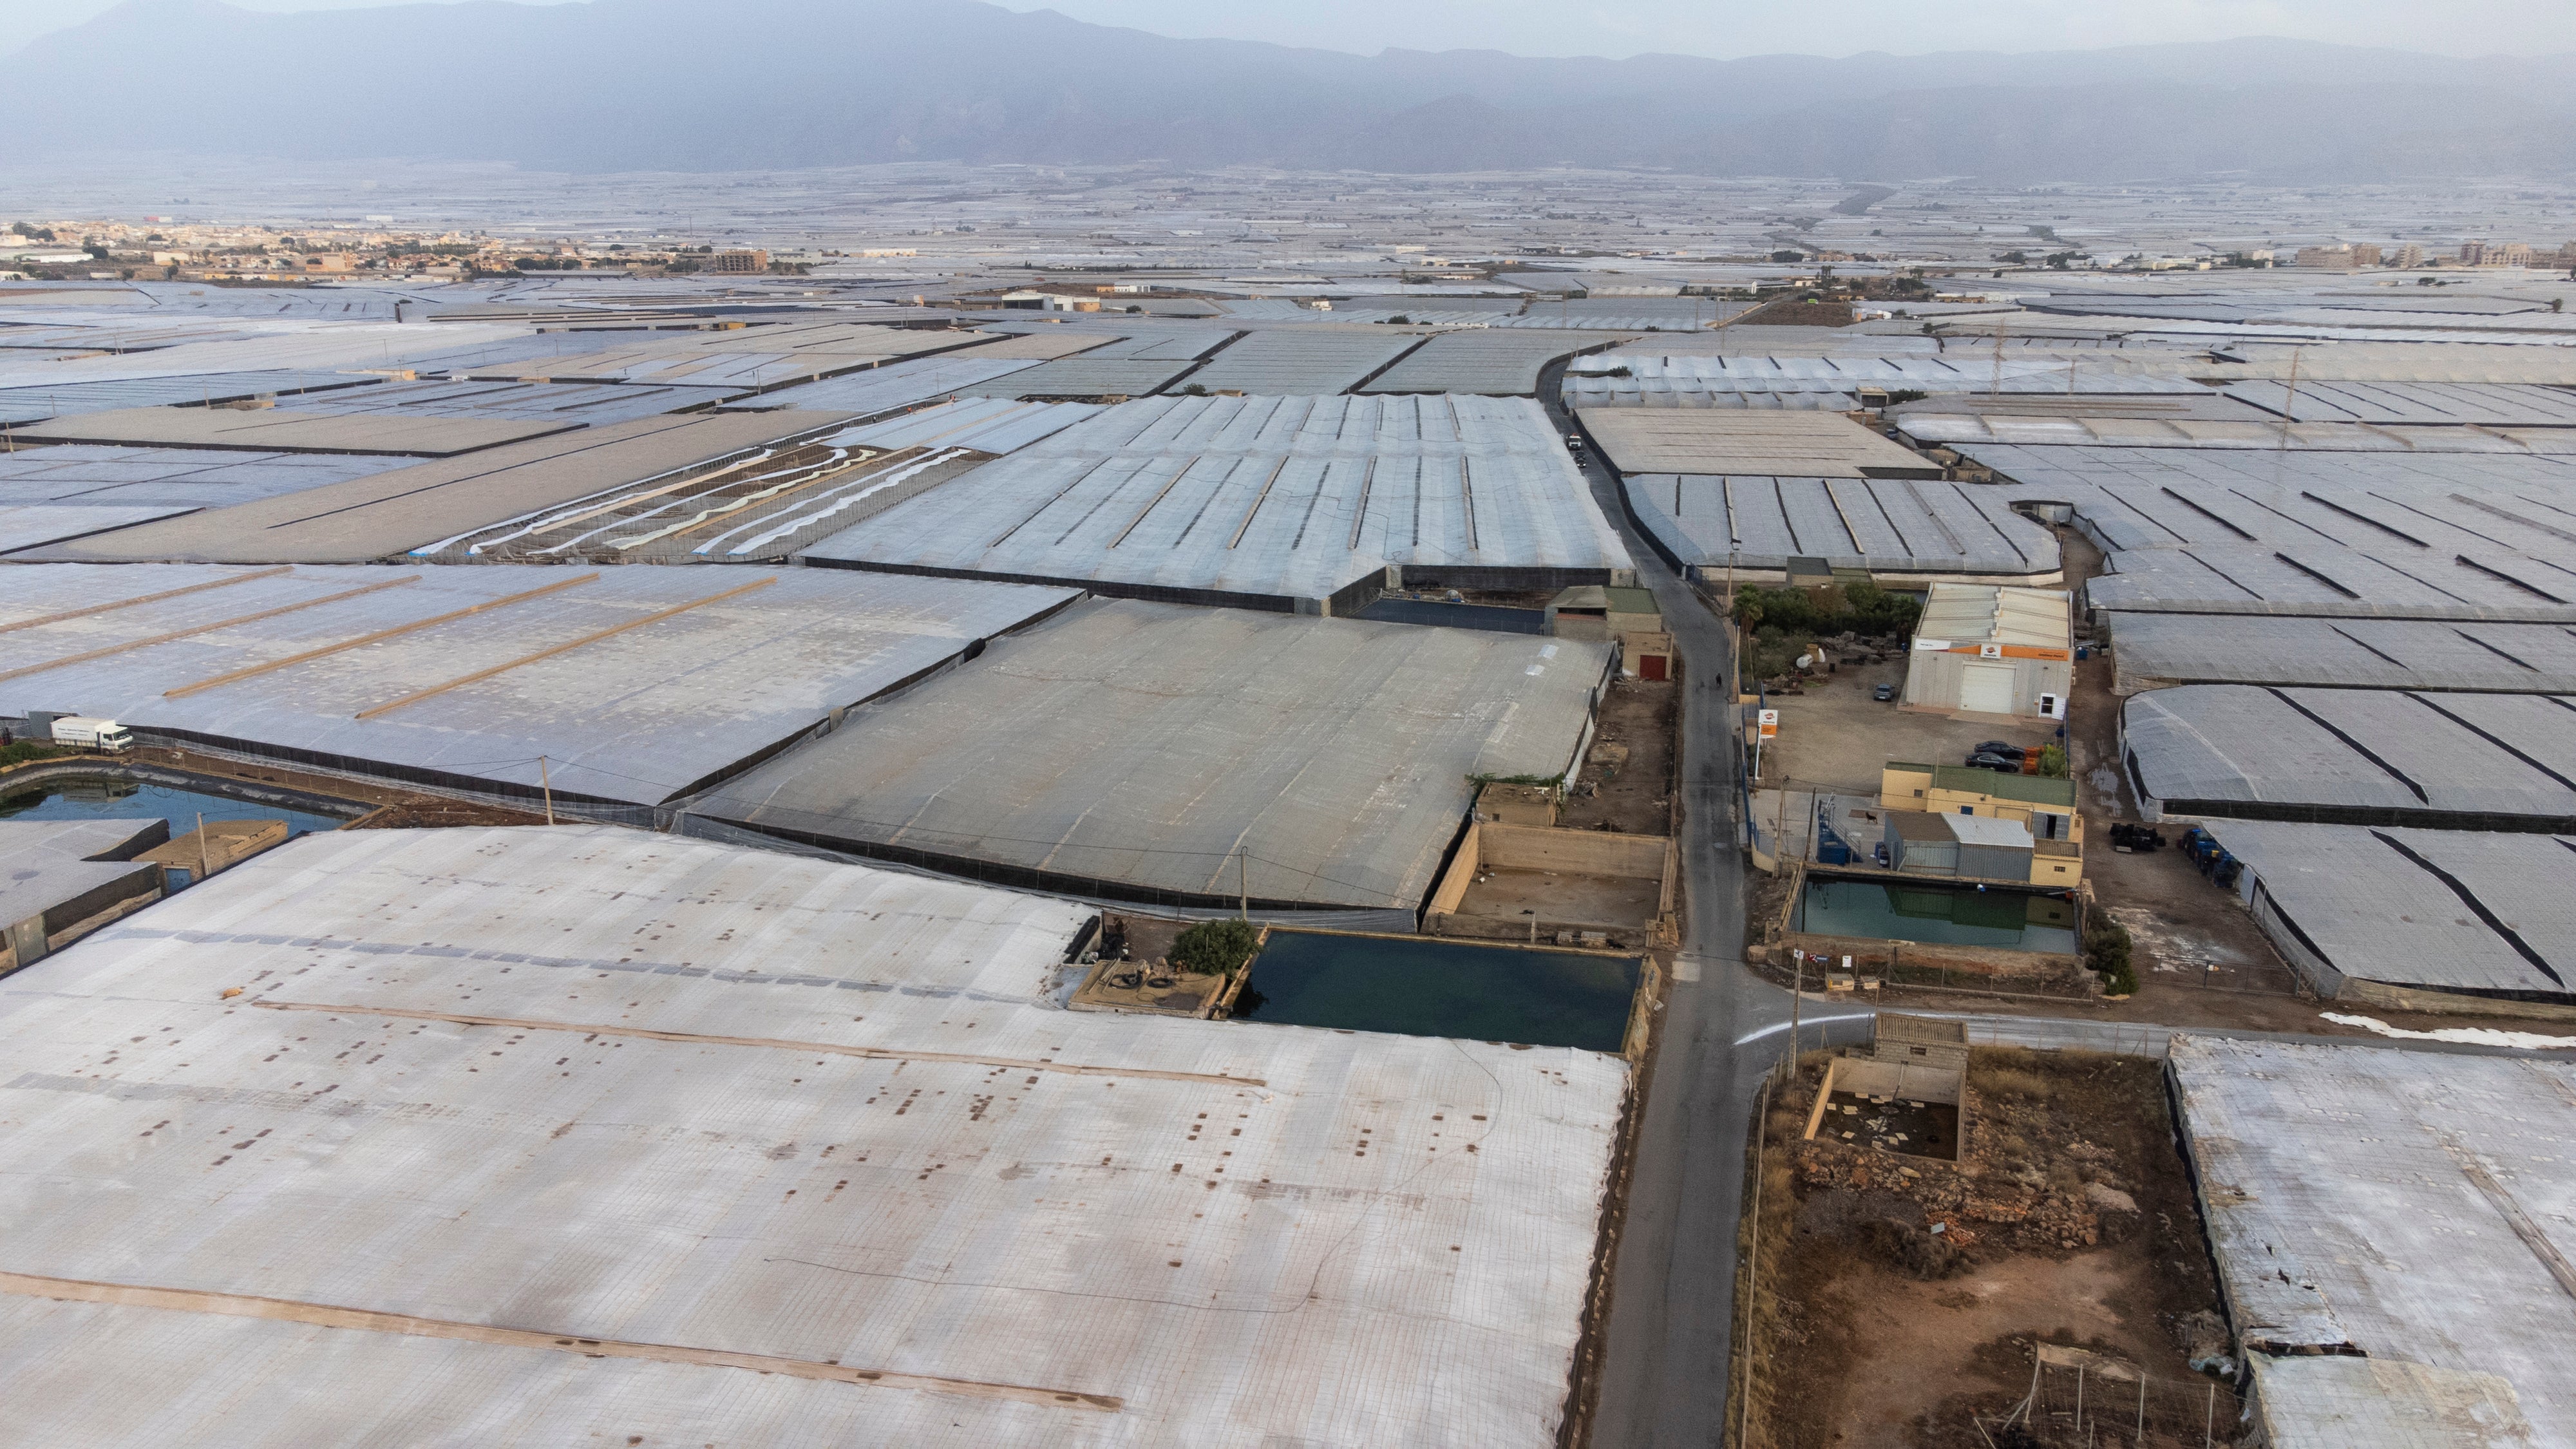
(682, 85)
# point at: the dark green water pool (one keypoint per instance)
(1441, 988)
(107, 797)
(1944, 915)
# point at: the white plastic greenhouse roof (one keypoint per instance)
(2456, 910)
(634, 716)
(754, 1150)
(1894, 525)
(1296, 361)
(1260, 497)
(2322, 579)
(2044, 472)
(881, 389)
(1499, 361)
(2446, 403)
(2157, 650)
(985, 424)
(1162, 752)
(2376, 1202)
(2383, 754)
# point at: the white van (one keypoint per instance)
(93, 734)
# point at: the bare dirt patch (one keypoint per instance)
(1627, 783)
(2069, 1221)
(1836, 737)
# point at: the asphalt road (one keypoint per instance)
(1664, 1360)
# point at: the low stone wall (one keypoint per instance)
(1493, 845)
(1873, 956)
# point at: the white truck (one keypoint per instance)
(82, 732)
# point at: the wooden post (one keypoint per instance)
(203, 868)
(546, 783)
(2142, 1407)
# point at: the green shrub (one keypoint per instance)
(2106, 952)
(2052, 761)
(21, 751)
(1215, 948)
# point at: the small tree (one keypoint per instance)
(2106, 952)
(2052, 761)
(1215, 948)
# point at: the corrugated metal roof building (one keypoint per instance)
(589, 1135)
(1987, 650)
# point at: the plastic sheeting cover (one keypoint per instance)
(814, 1114)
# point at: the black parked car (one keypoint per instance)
(1998, 747)
(1997, 763)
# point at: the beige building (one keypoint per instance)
(741, 261)
(2042, 806)
(1991, 651)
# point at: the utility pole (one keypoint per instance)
(1243, 880)
(205, 868)
(1797, 998)
(546, 783)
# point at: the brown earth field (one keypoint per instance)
(2069, 1222)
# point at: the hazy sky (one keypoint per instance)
(1726, 27)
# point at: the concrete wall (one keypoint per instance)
(1573, 852)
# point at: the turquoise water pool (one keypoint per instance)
(1422, 987)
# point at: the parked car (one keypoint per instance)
(1998, 747)
(1574, 442)
(1883, 693)
(1996, 763)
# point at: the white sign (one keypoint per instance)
(1770, 723)
(1931, 646)
(1990, 651)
